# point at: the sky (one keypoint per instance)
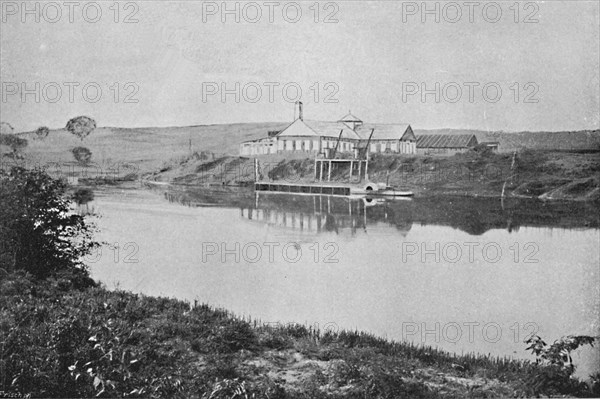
(505, 65)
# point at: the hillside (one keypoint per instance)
(149, 148)
(134, 152)
(542, 174)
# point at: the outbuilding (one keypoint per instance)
(445, 144)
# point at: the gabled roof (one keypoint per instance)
(307, 128)
(310, 128)
(386, 131)
(445, 141)
(349, 118)
(298, 128)
(332, 129)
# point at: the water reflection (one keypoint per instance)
(316, 214)
(320, 213)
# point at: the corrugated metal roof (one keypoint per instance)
(444, 141)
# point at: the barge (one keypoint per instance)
(367, 189)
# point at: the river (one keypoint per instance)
(464, 275)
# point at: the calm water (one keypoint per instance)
(463, 275)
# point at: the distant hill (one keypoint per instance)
(149, 148)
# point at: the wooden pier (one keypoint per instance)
(324, 163)
(320, 187)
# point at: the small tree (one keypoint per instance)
(81, 126)
(17, 144)
(38, 231)
(83, 196)
(82, 155)
(42, 132)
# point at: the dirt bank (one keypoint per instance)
(531, 174)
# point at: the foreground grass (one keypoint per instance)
(60, 338)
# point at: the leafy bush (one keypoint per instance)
(17, 144)
(81, 126)
(38, 231)
(555, 375)
(42, 132)
(83, 195)
(82, 155)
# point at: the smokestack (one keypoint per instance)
(300, 115)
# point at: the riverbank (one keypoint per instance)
(548, 175)
(198, 156)
(66, 337)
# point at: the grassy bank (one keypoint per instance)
(143, 150)
(63, 337)
(524, 174)
(549, 165)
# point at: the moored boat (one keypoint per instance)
(392, 192)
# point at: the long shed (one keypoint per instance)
(445, 144)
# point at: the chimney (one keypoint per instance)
(300, 115)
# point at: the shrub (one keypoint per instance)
(38, 231)
(83, 195)
(81, 126)
(555, 375)
(16, 143)
(82, 155)
(42, 132)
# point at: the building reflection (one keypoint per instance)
(321, 213)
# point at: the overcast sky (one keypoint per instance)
(375, 61)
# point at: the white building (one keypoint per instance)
(318, 137)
